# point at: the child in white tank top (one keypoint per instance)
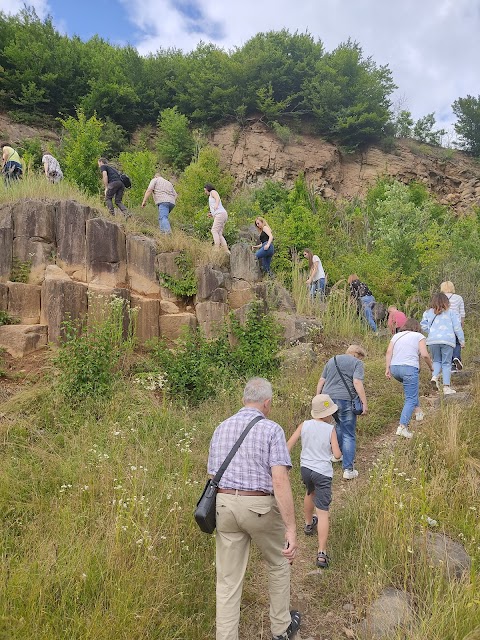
(319, 442)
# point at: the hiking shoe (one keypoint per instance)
(435, 382)
(403, 431)
(458, 364)
(350, 474)
(292, 628)
(322, 560)
(333, 459)
(419, 416)
(309, 529)
(447, 390)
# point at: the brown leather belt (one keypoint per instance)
(240, 492)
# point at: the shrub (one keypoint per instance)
(6, 318)
(82, 147)
(140, 167)
(283, 132)
(175, 143)
(187, 285)
(20, 270)
(89, 360)
(196, 368)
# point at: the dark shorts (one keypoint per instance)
(319, 485)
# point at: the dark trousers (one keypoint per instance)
(115, 190)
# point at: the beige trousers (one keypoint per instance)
(218, 225)
(240, 520)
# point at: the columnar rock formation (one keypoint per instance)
(75, 260)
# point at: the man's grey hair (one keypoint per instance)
(257, 390)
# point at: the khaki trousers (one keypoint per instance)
(240, 520)
(219, 221)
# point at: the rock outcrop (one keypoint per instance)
(255, 154)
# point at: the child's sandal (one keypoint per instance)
(322, 560)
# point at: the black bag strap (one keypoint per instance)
(228, 459)
(343, 379)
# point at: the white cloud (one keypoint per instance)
(14, 6)
(432, 47)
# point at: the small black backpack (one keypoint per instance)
(127, 183)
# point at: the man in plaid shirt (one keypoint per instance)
(254, 502)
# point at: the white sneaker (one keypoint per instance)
(447, 390)
(435, 382)
(350, 474)
(403, 431)
(333, 459)
(419, 416)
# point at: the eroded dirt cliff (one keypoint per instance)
(254, 154)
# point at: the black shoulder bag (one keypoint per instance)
(357, 406)
(205, 513)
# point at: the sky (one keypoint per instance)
(431, 46)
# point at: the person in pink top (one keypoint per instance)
(396, 319)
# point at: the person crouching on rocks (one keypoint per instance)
(265, 248)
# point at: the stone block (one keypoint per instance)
(70, 232)
(168, 307)
(243, 264)
(166, 294)
(463, 398)
(148, 318)
(34, 236)
(444, 553)
(141, 254)
(106, 253)
(165, 263)
(3, 297)
(172, 326)
(24, 302)
(300, 357)
(240, 294)
(6, 242)
(62, 299)
(296, 328)
(211, 317)
(219, 295)
(21, 339)
(209, 280)
(386, 615)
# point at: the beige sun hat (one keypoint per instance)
(323, 406)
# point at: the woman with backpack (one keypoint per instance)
(403, 364)
(442, 326)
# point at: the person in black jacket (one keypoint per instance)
(114, 187)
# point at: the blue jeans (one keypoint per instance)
(265, 257)
(442, 360)
(346, 422)
(409, 377)
(367, 303)
(164, 209)
(317, 286)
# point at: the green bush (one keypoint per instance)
(81, 149)
(20, 270)
(140, 166)
(90, 357)
(175, 142)
(185, 286)
(6, 318)
(197, 368)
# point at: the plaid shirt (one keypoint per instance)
(263, 448)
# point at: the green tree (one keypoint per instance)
(403, 124)
(140, 167)
(175, 142)
(424, 131)
(82, 146)
(192, 198)
(467, 126)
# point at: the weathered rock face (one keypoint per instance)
(3, 297)
(211, 317)
(296, 328)
(106, 253)
(70, 232)
(172, 326)
(259, 155)
(24, 302)
(34, 236)
(20, 340)
(99, 298)
(6, 242)
(148, 318)
(445, 553)
(243, 264)
(141, 254)
(209, 281)
(386, 615)
(62, 299)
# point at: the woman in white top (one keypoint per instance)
(316, 277)
(219, 215)
(403, 363)
(457, 306)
